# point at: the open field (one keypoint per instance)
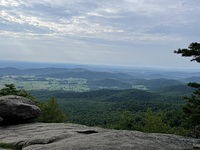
(38, 83)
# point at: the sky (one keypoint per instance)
(142, 33)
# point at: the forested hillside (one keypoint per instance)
(108, 99)
(106, 108)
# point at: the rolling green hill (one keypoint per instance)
(108, 84)
(178, 90)
(192, 79)
(100, 95)
(104, 107)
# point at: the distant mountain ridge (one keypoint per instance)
(134, 72)
(105, 80)
(63, 73)
(90, 75)
(37, 71)
(192, 79)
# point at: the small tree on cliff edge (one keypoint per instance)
(192, 107)
(10, 89)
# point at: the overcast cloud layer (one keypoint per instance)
(111, 32)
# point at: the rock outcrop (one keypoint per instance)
(61, 136)
(17, 109)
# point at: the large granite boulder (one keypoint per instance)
(61, 136)
(17, 109)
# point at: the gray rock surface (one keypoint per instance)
(60, 136)
(16, 109)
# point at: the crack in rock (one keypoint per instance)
(88, 132)
(22, 144)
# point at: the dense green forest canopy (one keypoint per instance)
(119, 109)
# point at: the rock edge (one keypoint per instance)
(61, 136)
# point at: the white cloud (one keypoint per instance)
(102, 22)
(8, 3)
(75, 25)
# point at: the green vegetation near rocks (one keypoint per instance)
(7, 146)
(50, 111)
(116, 109)
(122, 109)
(10, 89)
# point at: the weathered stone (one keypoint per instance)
(196, 146)
(17, 109)
(60, 136)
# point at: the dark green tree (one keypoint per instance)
(10, 89)
(193, 51)
(153, 123)
(126, 121)
(192, 107)
(51, 112)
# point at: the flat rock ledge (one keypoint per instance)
(62, 136)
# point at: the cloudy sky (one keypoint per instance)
(104, 32)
